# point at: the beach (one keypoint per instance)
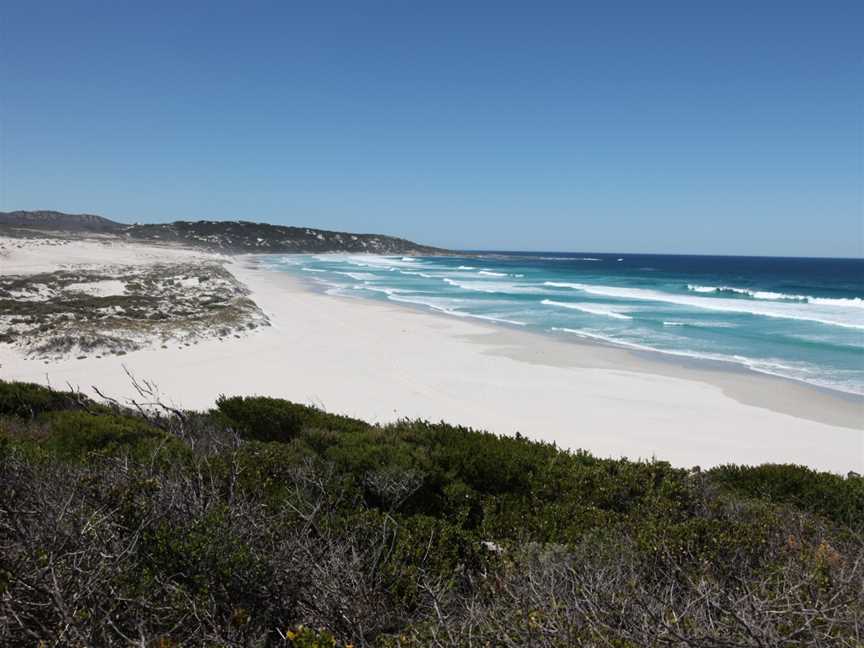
(383, 362)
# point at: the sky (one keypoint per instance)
(669, 127)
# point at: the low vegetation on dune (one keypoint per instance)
(267, 523)
(114, 310)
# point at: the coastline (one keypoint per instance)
(743, 384)
(381, 361)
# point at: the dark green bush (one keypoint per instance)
(272, 419)
(840, 499)
(29, 400)
(76, 434)
(405, 534)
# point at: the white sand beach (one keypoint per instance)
(381, 362)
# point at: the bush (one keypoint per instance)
(75, 435)
(315, 529)
(840, 499)
(29, 400)
(272, 419)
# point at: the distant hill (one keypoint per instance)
(226, 236)
(54, 220)
(244, 236)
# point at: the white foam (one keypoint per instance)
(447, 306)
(563, 284)
(491, 273)
(755, 294)
(771, 366)
(438, 303)
(416, 274)
(290, 259)
(466, 268)
(853, 302)
(703, 324)
(332, 288)
(382, 262)
(587, 308)
(444, 305)
(358, 276)
(312, 270)
(830, 315)
(495, 287)
(489, 318)
(386, 291)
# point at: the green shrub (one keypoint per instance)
(28, 400)
(323, 530)
(74, 435)
(272, 419)
(840, 499)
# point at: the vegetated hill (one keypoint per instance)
(226, 236)
(54, 220)
(245, 236)
(267, 523)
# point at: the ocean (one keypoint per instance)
(797, 318)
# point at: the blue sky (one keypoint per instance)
(691, 127)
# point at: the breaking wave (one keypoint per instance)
(587, 308)
(855, 302)
(828, 314)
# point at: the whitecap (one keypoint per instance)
(850, 302)
(495, 287)
(587, 308)
(416, 274)
(386, 291)
(702, 324)
(830, 315)
(359, 276)
(447, 306)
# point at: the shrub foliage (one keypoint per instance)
(267, 523)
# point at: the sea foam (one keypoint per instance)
(828, 314)
(587, 308)
(855, 302)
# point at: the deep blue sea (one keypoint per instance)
(792, 317)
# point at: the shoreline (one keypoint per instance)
(829, 410)
(380, 361)
(722, 361)
(844, 409)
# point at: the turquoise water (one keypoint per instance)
(798, 318)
